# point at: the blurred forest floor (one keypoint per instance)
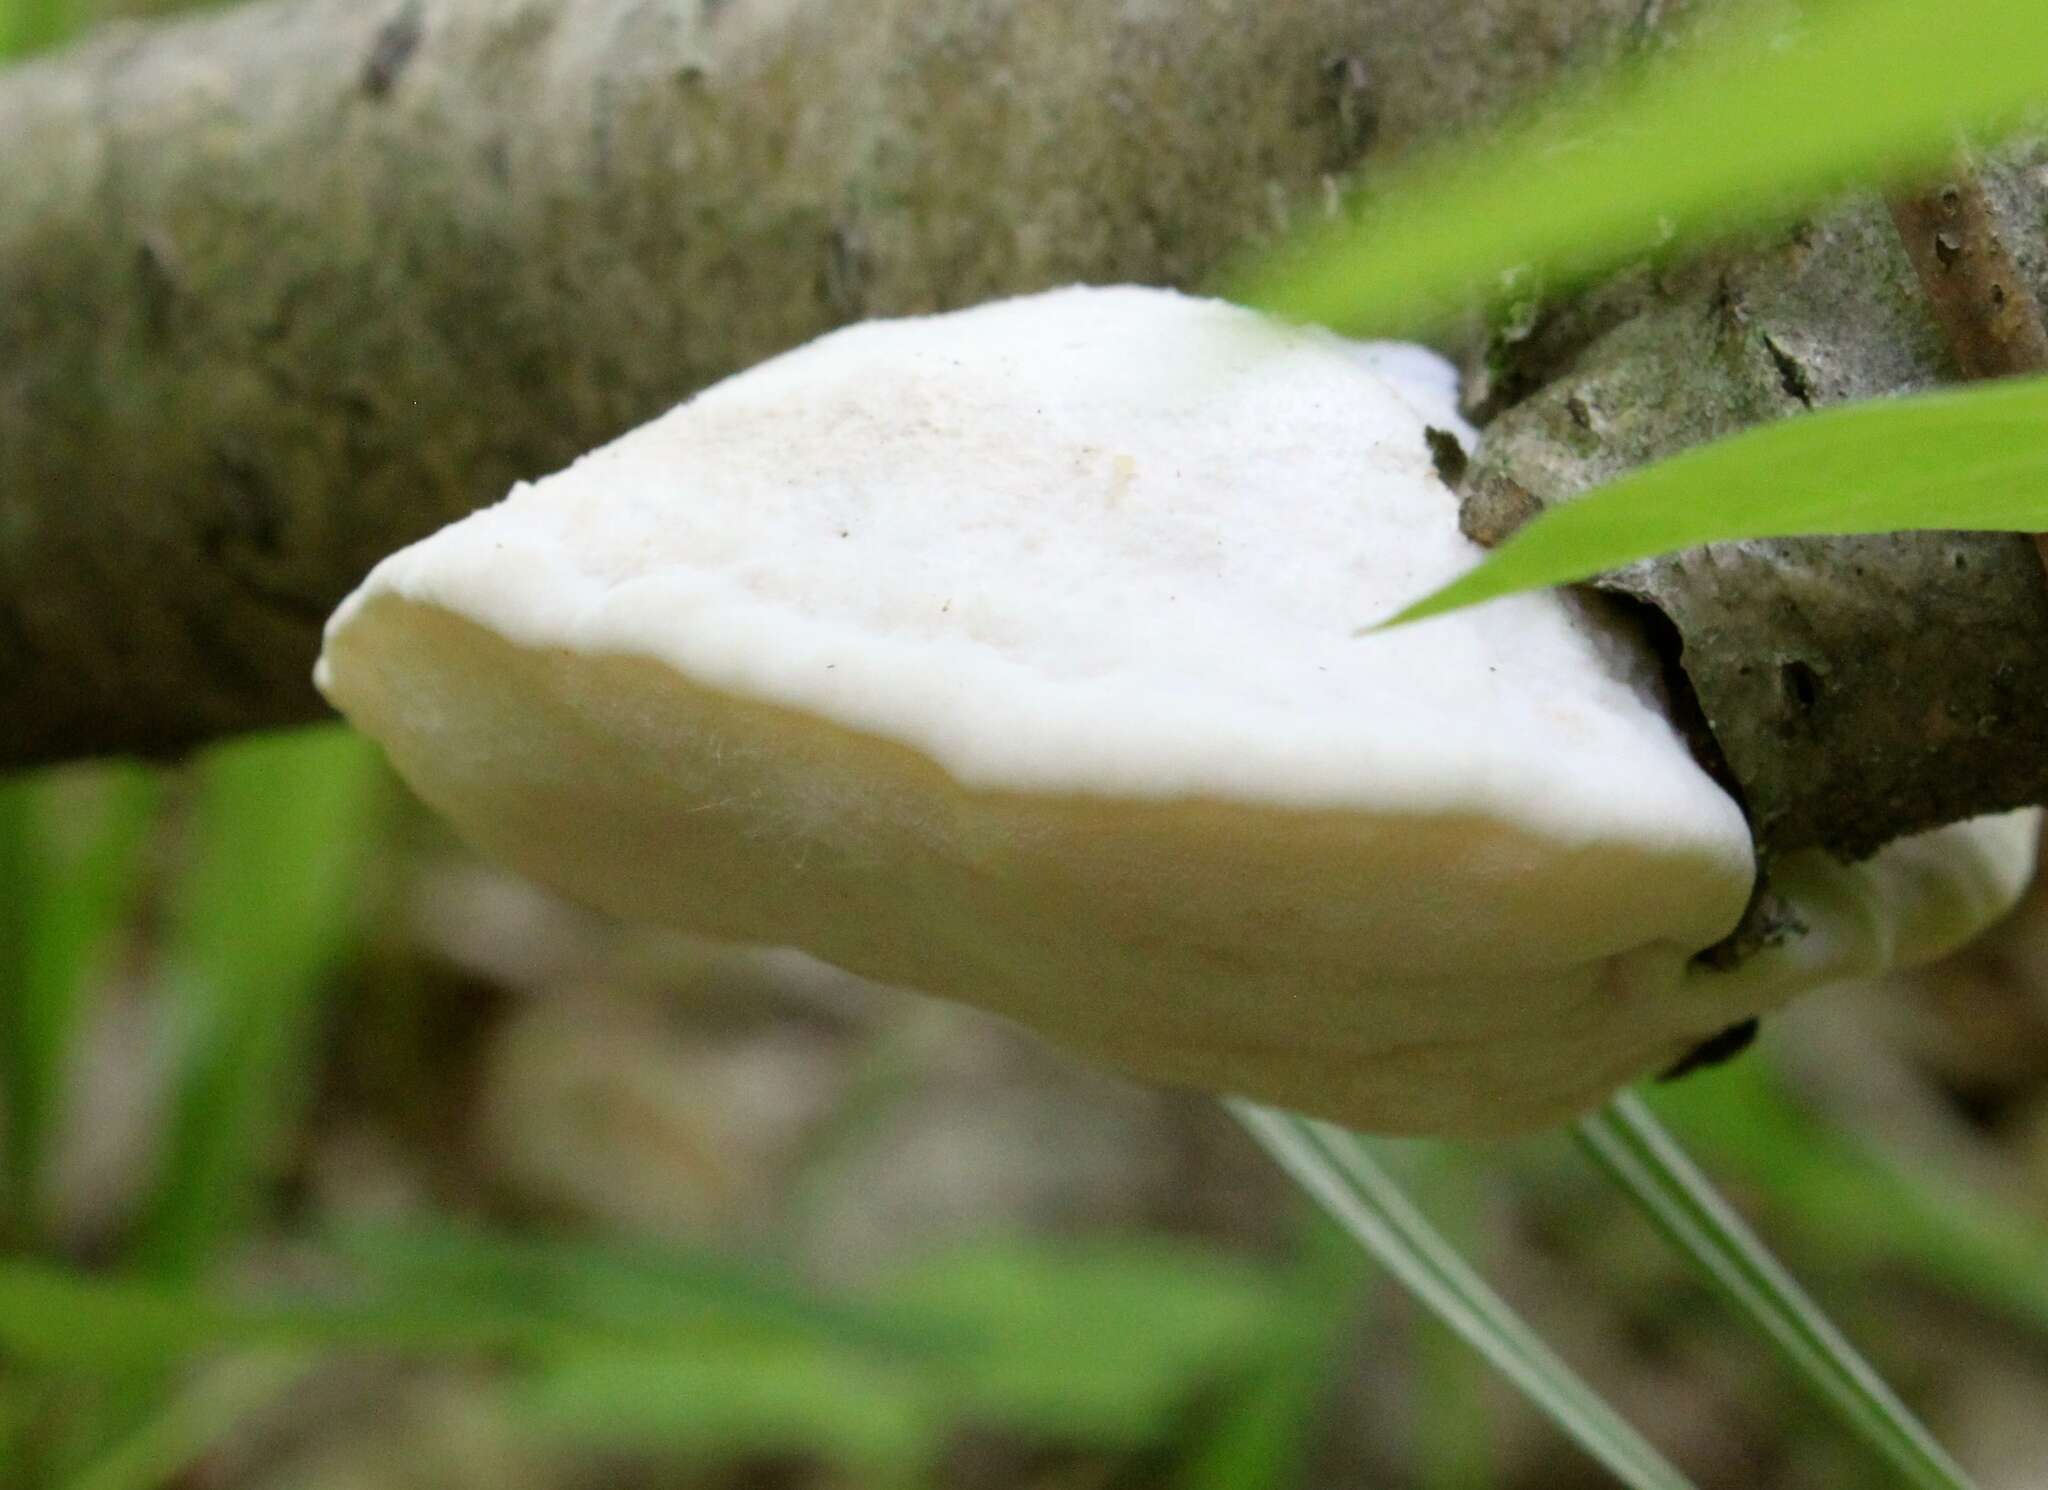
(320, 1052)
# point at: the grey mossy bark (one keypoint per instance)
(284, 288)
(1855, 689)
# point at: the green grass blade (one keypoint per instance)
(1354, 1159)
(70, 849)
(283, 830)
(1722, 135)
(1628, 1142)
(1971, 458)
(1337, 1171)
(1860, 1209)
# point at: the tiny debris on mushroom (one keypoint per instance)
(1011, 655)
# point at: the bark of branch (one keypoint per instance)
(1855, 689)
(286, 287)
(1984, 306)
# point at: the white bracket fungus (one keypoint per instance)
(1011, 655)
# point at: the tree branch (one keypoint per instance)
(286, 287)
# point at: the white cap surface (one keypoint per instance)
(1011, 655)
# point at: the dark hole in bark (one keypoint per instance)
(1447, 455)
(1801, 683)
(1679, 698)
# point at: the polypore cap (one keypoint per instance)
(1012, 655)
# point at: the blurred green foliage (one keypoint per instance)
(279, 836)
(276, 841)
(69, 851)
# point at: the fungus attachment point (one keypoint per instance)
(1008, 655)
